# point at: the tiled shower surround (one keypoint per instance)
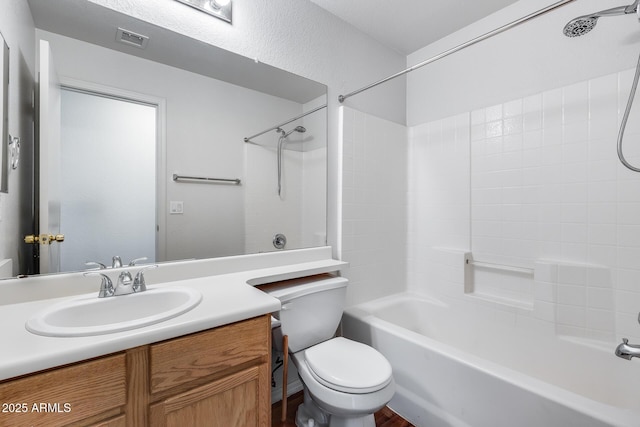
(533, 183)
(374, 205)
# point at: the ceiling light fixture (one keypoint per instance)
(221, 9)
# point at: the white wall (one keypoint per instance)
(513, 161)
(301, 38)
(17, 28)
(525, 60)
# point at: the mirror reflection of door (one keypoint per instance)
(47, 177)
(108, 179)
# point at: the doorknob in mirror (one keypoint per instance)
(43, 239)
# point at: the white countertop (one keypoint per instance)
(226, 298)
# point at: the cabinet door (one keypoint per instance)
(90, 390)
(230, 401)
(181, 361)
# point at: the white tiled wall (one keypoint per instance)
(266, 212)
(544, 190)
(374, 214)
(438, 182)
(299, 212)
(314, 175)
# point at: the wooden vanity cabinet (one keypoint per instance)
(229, 401)
(86, 393)
(218, 377)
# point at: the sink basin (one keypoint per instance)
(90, 315)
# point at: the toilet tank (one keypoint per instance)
(311, 309)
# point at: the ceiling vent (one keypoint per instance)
(131, 38)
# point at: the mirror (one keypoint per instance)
(224, 200)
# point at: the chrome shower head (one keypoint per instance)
(583, 24)
(300, 129)
(580, 26)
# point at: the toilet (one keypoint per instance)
(345, 381)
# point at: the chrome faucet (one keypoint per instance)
(139, 284)
(137, 260)
(94, 264)
(116, 262)
(106, 285)
(125, 285)
(626, 350)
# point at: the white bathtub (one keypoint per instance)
(452, 371)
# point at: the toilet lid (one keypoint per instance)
(348, 366)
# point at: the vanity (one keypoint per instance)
(209, 365)
(222, 373)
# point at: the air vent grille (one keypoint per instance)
(131, 38)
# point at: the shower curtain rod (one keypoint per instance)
(248, 139)
(455, 49)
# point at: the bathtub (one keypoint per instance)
(464, 372)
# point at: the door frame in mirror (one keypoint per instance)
(161, 148)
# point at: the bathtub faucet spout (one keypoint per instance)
(626, 350)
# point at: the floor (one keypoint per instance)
(384, 417)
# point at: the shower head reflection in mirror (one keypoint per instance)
(281, 142)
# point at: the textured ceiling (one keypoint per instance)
(408, 25)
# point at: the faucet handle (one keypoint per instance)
(625, 340)
(100, 265)
(106, 285)
(116, 262)
(125, 279)
(124, 285)
(134, 261)
(139, 284)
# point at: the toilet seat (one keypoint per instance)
(348, 366)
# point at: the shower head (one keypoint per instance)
(300, 129)
(580, 26)
(583, 24)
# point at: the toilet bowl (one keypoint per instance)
(344, 381)
(349, 396)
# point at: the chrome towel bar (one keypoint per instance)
(511, 268)
(179, 178)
